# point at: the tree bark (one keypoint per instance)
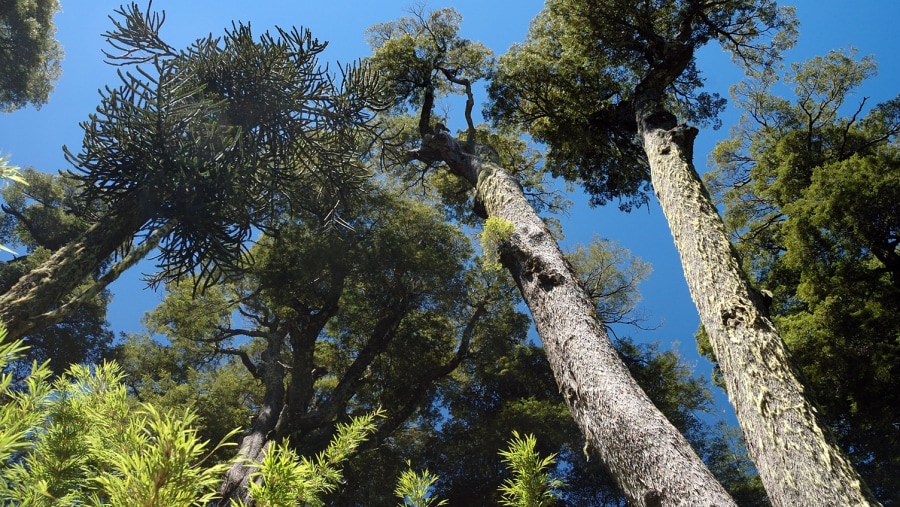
(797, 461)
(649, 459)
(24, 306)
(257, 441)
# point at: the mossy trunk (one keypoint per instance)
(648, 458)
(798, 462)
(39, 292)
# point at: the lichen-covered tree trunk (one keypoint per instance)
(650, 461)
(798, 462)
(47, 286)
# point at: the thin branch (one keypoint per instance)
(470, 102)
(245, 358)
(426, 381)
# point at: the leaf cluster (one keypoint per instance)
(531, 484)
(287, 479)
(611, 276)
(573, 82)
(30, 55)
(80, 441)
(414, 489)
(421, 52)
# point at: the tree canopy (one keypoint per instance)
(197, 148)
(573, 82)
(30, 55)
(344, 276)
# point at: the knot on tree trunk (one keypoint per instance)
(548, 278)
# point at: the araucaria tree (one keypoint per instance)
(38, 218)
(604, 83)
(198, 147)
(652, 463)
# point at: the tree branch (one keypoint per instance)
(245, 358)
(470, 102)
(129, 260)
(381, 336)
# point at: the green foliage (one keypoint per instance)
(495, 233)
(610, 275)
(810, 196)
(425, 59)
(531, 484)
(45, 211)
(184, 375)
(378, 309)
(572, 82)
(210, 140)
(162, 463)
(550, 87)
(22, 403)
(286, 479)
(29, 54)
(12, 173)
(416, 53)
(80, 441)
(414, 488)
(43, 215)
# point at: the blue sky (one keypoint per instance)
(35, 137)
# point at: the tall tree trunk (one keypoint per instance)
(798, 462)
(45, 287)
(257, 441)
(649, 459)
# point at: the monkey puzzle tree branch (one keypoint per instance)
(134, 256)
(30, 298)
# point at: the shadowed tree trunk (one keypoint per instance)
(256, 442)
(650, 461)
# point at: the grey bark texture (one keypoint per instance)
(649, 459)
(797, 461)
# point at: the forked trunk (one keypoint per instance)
(797, 461)
(648, 458)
